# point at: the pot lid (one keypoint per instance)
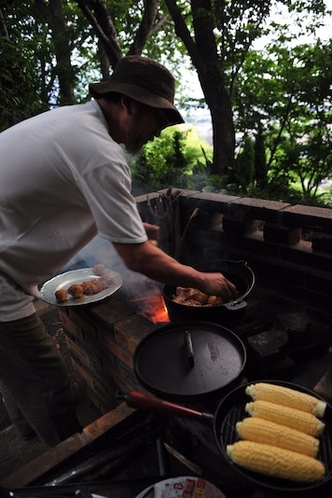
(189, 359)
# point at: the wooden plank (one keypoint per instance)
(59, 453)
(107, 421)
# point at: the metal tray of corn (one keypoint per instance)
(231, 410)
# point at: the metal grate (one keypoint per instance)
(231, 410)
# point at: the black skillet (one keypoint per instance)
(229, 411)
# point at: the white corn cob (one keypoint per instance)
(263, 431)
(277, 462)
(290, 417)
(287, 397)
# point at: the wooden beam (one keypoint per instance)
(59, 453)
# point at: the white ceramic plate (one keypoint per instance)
(180, 487)
(65, 280)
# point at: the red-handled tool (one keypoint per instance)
(144, 401)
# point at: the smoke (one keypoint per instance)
(99, 250)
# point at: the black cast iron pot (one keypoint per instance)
(231, 313)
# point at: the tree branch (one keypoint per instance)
(96, 11)
(183, 32)
(146, 27)
(3, 27)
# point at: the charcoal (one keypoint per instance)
(269, 342)
(295, 322)
(297, 325)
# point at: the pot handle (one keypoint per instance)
(144, 401)
(235, 305)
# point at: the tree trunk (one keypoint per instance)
(223, 135)
(204, 55)
(55, 17)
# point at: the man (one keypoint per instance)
(63, 179)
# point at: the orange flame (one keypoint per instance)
(160, 313)
(153, 308)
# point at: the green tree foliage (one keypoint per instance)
(217, 35)
(288, 100)
(260, 168)
(20, 91)
(246, 165)
(39, 42)
(127, 28)
(175, 158)
(51, 49)
(164, 160)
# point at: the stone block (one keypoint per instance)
(128, 333)
(70, 325)
(280, 234)
(297, 325)
(322, 242)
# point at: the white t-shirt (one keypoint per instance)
(62, 180)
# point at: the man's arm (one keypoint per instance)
(154, 263)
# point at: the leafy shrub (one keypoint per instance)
(177, 158)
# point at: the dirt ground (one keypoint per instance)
(14, 451)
